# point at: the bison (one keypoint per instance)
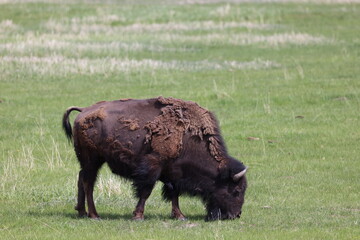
(167, 139)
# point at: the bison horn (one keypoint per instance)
(237, 176)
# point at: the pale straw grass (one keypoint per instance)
(109, 185)
(182, 2)
(8, 26)
(32, 45)
(268, 1)
(59, 65)
(15, 169)
(248, 39)
(222, 11)
(101, 25)
(53, 157)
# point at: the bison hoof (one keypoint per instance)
(138, 217)
(179, 217)
(94, 216)
(81, 212)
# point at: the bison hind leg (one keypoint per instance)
(90, 163)
(80, 206)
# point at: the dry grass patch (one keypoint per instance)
(279, 39)
(59, 65)
(102, 25)
(33, 46)
(269, 1)
(8, 26)
(185, 2)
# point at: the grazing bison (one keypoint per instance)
(171, 140)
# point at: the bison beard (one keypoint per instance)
(171, 140)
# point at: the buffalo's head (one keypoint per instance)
(227, 199)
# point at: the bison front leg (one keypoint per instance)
(143, 194)
(176, 212)
(169, 193)
(145, 177)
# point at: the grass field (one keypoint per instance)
(285, 74)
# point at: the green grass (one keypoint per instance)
(256, 65)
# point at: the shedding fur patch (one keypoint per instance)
(177, 117)
(87, 124)
(131, 124)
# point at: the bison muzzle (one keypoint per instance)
(171, 140)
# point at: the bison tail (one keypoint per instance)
(66, 123)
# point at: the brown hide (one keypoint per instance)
(162, 122)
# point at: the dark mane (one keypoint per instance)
(216, 143)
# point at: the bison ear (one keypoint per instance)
(239, 175)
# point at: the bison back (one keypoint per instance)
(109, 126)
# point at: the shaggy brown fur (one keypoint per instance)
(166, 131)
(132, 124)
(87, 125)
